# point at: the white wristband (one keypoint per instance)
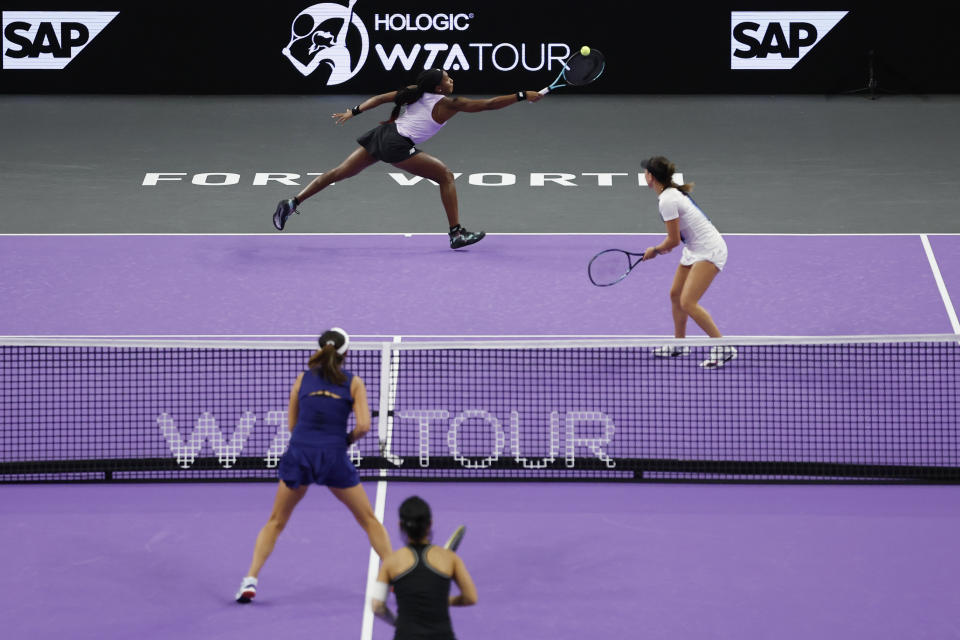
(379, 591)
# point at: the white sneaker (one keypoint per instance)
(247, 591)
(719, 356)
(671, 351)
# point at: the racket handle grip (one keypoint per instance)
(544, 91)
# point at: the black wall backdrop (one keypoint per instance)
(488, 46)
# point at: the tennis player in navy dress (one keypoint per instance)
(420, 574)
(321, 400)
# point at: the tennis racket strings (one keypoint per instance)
(583, 69)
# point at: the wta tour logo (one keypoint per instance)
(569, 432)
(226, 450)
(320, 37)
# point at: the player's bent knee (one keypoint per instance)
(688, 306)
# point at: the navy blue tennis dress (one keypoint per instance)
(318, 446)
(423, 600)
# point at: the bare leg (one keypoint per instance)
(283, 505)
(700, 276)
(676, 289)
(356, 500)
(356, 162)
(426, 166)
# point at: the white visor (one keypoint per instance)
(346, 340)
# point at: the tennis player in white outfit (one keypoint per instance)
(704, 255)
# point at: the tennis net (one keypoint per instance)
(841, 409)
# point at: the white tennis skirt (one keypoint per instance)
(716, 253)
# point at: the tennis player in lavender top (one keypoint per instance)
(429, 106)
(704, 256)
(321, 400)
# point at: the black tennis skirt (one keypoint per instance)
(386, 144)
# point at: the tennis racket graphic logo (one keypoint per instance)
(319, 39)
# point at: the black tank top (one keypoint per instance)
(423, 600)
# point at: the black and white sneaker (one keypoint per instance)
(285, 209)
(460, 237)
(671, 351)
(719, 356)
(247, 590)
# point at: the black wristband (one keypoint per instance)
(356, 110)
(521, 96)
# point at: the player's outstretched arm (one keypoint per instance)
(366, 105)
(468, 105)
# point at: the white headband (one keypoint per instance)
(346, 340)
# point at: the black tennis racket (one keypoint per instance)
(611, 266)
(578, 70)
(454, 542)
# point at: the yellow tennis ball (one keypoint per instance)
(584, 50)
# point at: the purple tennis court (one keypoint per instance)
(523, 285)
(583, 558)
(562, 560)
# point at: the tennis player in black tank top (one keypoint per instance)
(421, 574)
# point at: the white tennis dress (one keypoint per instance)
(701, 240)
(417, 122)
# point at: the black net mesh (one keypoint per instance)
(871, 410)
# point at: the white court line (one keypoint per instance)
(373, 565)
(941, 285)
(440, 233)
(460, 337)
(311, 339)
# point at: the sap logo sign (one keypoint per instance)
(49, 39)
(777, 39)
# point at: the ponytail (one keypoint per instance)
(426, 83)
(327, 362)
(663, 171)
(407, 95)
